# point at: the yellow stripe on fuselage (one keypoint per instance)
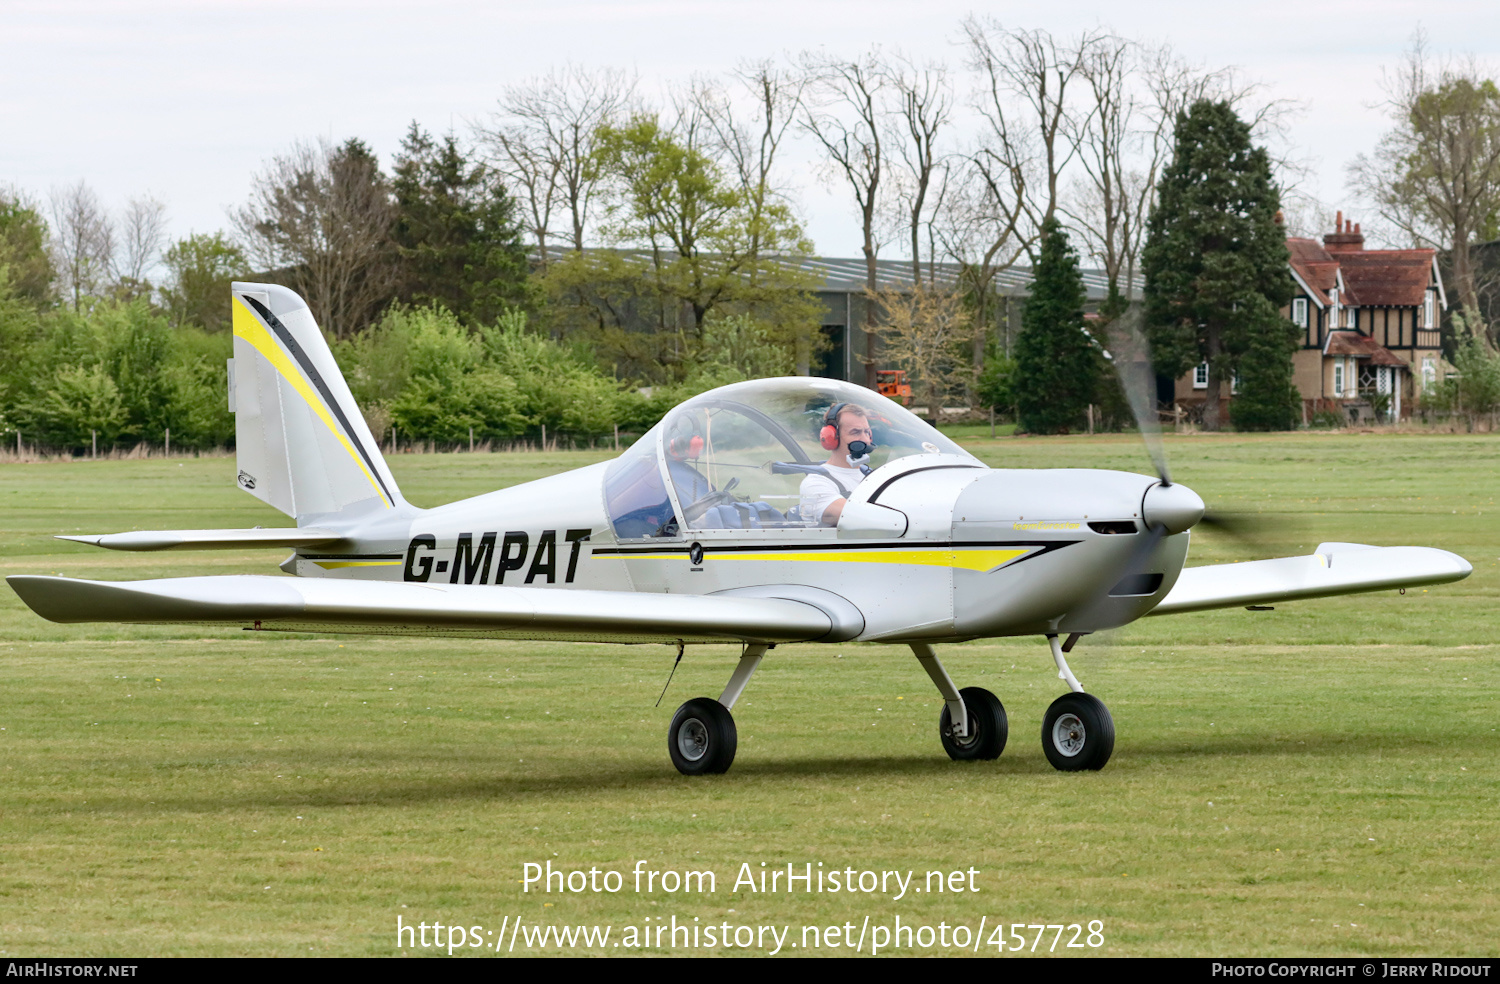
(970, 560)
(248, 327)
(334, 565)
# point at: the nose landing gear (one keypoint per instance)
(1077, 730)
(1078, 733)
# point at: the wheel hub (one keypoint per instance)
(963, 741)
(1068, 735)
(692, 739)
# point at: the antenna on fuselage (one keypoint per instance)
(680, 648)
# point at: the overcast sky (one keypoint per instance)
(186, 100)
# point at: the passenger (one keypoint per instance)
(846, 433)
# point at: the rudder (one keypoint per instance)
(302, 444)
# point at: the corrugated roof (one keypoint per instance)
(847, 275)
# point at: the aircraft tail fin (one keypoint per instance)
(303, 445)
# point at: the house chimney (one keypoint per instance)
(1345, 238)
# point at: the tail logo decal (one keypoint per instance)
(247, 327)
(247, 480)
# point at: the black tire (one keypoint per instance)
(1078, 733)
(988, 727)
(702, 738)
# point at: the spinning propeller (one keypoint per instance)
(1166, 508)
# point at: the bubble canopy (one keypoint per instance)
(734, 458)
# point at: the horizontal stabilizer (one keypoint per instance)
(411, 608)
(1333, 569)
(207, 539)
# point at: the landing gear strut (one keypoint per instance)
(1077, 730)
(702, 738)
(973, 723)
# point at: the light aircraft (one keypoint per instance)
(695, 534)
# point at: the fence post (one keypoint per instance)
(93, 444)
(471, 440)
(168, 451)
(617, 438)
(992, 422)
(544, 437)
(1091, 418)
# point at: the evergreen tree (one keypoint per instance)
(456, 232)
(1267, 397)
(1215, 263)
(1057, 363)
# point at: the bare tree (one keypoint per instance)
(987, 221)
(543, 138)
(846, 117)
(1109, 211)
(1436, 175)
(1124, 135)
(749, 143)
(83, 242)
(1034, 69)
(143, 230)
(924, 108)
(981, 225)
(1174, 84)
(521, 155)
(319, 219)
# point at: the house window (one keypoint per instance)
(1338, 377)
(1200, 376)
(1429, 373)
(1299, 312)
(1428, 310)
(1351, 318)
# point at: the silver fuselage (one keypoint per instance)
(986, 552)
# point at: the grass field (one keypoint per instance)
(1320, 779)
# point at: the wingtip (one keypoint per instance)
(92, 539)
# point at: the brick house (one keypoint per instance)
(1370, 343)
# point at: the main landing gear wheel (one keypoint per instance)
(702, 738)
(988, 727)
(1078, 733)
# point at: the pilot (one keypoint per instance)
(846, 433)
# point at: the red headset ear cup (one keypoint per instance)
(829, 437)
(695, 447)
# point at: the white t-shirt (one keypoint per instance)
(819, 491)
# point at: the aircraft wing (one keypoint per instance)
(207, 539)
(1332, 569)
(409, 608)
